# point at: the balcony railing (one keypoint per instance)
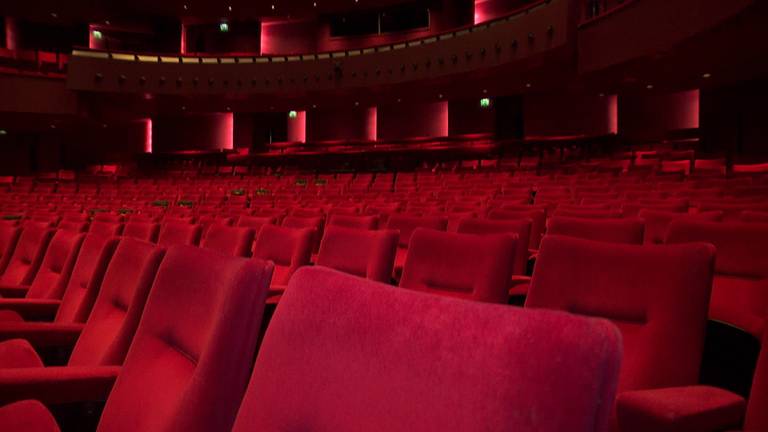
(33, 62)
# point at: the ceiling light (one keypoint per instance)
(273, 7)
(357, 103)
(229, 108)
(229, 8)
(186, 7)
(602, 95)
(485, 91)
(440, 96)
(183, 108)
(3, 132)
(649, 86)
(53, 126)
(54, 15)
(107, 22)
(314, 106)
(527, 85)
(707, 75)
(314, 4)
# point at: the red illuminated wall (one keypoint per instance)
(649, 116)
(193, 132)
(341, 124)
(291, 37)
(556, 115)
(409, 120)
(297, 127)
(486, 10)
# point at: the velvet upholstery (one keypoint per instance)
(55, 269)
(27, 416)
(520, 228)
(740, 291)
(287, 248)
(74, 226)
(255, 222)
(537, 217)
(354, 221)
(144, 231)
(627, 231)
(109, 229)
(232, 241)
(346, 354)
(475, 267)
(656, 295)
(28, 254)
(177, 233)
(754, 216)
(360, 252)
(190, 374)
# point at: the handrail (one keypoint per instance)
(327, 55)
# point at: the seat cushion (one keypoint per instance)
(27, 416)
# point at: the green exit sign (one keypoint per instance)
(485, 102)
(223, 27)
(293, 114)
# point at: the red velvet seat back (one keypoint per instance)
(519, 228)
(287, 248)
(85, 280)
(109, 229)
(656, 295)
(188, 365)
(628, 231)
(407, 224)
(173, 234)
(360, 252)
(316, 223)
(29, 252)
(255, 222)
(587, 213)
(346, 354)
(754, 216)
(144, 231)
(757, 414)
(53, 275)
(119, 304)
(461, 265)
(72, 225)
(354, 221)
(538, 222)
(228, 240)
(740, 291)
(657, 222)
(9, 236)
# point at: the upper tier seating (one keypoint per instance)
(475, 267)
(656, 295)
(740, 290)
(360, 252)
(359, 372)
(181, 374)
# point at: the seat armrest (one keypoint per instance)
(56, 385)
(31, 309)
(13, 291)
(520, 279)
(42, 335)
(684, 409)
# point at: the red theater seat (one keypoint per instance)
(255, 222)
(173, 234)
(102, 341)
(316, 223)
(467, 266)
(354, 221)
(397, 360)
(287, 248)
(406, 225)
(228, 240)
(144, 231)
(537, 217)
(73, 226)
(656, 295)
(108, 229)
(740, 290)
(9, 236)
(657, 222)
(182, 374)
(754, 216)
(587, 213)
(363, 253)
(629, 231)
(28, 254)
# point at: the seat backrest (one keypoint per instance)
(255, 222)
(85, 280)
(118, 306)
(9, 236)
(287, 248)
(538, 221)
(628, 231)
(109, 229)
(347, 354)
(199, 367)
(228, 240)
(657, 222)
(757, 416)
(407, 224)
(520, 228)
(316, 223)
(173, 234)
(740, 292)
(29, 252)
(361, 252)
(53, 275)
(754, 216)
(587, 213)
(656, 295)
(475, 267)
(144, 231)
(107, 217)
(354, 221)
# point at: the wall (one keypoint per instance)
(242, 37)
(342, 124)
(289, 37)
(651, 116)
(486, 10)
(409, 120)
(468, 117)
(558, 115)
(733, 119)
(297, 127)
(209, 132)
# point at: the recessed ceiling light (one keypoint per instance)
(183, 108)
(357, 103)
(53, 126)
(485, 91)
(107, 22)
(440, 96)
(54, 15)
(707, 75)
(104, 125)
(314, 106)
(229, 108)
(649, 86)
(273, 7)
(527, 85)
(399, 100)
(229, 8)
(3, 132)
(602, 94)
(186, 7)
(314, 4)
